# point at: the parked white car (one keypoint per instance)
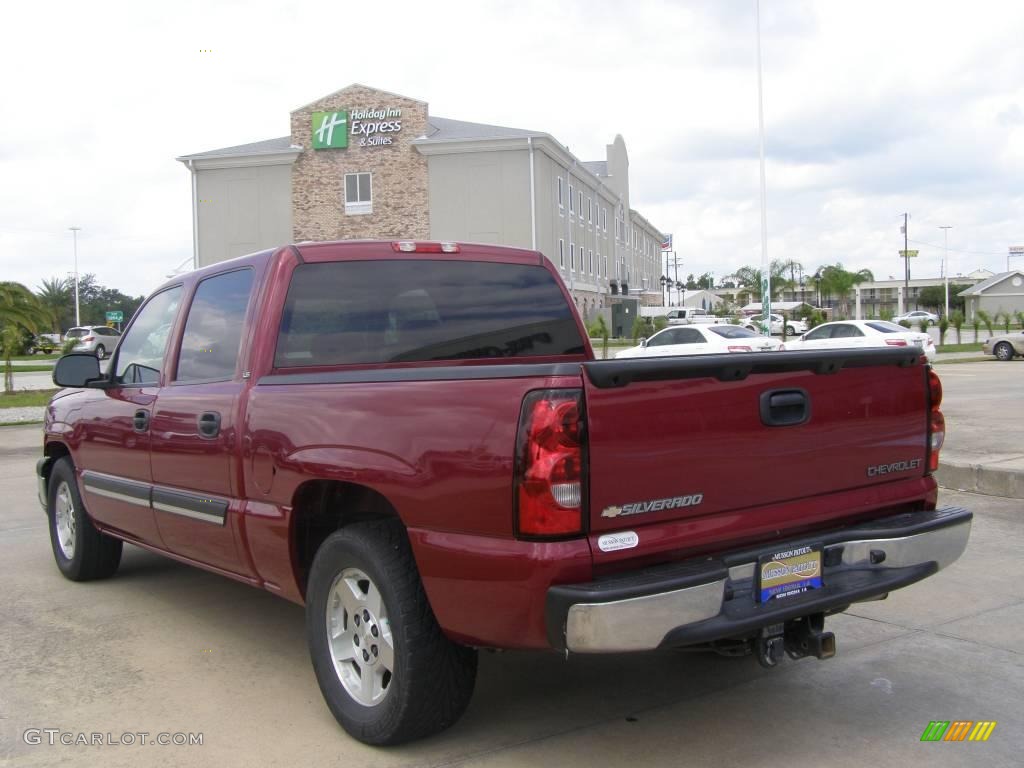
(916, 317)
(845, 334)
(793, 325)
(701, 340)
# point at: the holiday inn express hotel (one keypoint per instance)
(365, 163)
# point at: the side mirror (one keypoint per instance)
(78, 369)
(643, 342)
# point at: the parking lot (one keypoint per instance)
(165, 648)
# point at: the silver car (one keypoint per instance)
(1004, 347)
(98, 339)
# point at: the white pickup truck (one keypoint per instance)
(689, 315)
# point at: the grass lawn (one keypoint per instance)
(55, 356)
(25, 399)
(959, 348)
(31, 368)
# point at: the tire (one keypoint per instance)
(82, 553)
(430, 680)
(790, 330)
(1003, 351)
(101, 352)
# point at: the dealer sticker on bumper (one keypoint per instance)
(790, 572)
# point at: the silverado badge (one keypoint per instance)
(655, 505)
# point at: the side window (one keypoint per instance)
(819, 334)
(141, 354)
(689, 336)
(213, 330)
(846, 332)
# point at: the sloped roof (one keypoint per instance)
(266, 147)
(596, 167)
(445, 129)
(984, 285)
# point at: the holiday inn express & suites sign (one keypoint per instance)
(367, 127)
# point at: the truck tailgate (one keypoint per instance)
(718, 435)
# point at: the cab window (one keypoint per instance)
(213, 330)
(820, 333)
(140, 356)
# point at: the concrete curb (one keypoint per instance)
(981, 478)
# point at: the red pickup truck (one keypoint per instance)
(415, 441)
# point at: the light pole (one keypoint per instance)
(74, 234)
(663, 280)
(945, 263)
(766, 279)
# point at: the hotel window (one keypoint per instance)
(590, 211)
(560, 203)
(572, 208)
(561, 253)
(604, 219)
(358, 193)
(581, 203)
(572, 256)
(590, 261)
(598, 263)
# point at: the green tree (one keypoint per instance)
(750, 279)
(837, 281)
(706, 281)
(976, 325)
(943, 327)
(58, 296)
(932, 297)
(1020, 319)
(20, 311)
(956, 317)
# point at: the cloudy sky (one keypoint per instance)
(871, 109)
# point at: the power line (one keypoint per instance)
(960, 250)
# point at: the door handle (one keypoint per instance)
(785, 407)
(140, 421)
(209, 424)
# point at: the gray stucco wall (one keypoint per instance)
(242, 210)
(480, 197)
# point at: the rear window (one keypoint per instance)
(76, 333)
(732, 331)
(404, 311)
(883, 326)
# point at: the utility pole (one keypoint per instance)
(945, 263)
(74, 233)
(906, 263)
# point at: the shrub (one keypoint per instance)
(660, 323)
(943, 327)
(1020, 319)
(887, 314)
(986, 318)
(1003, 317)
(815, 319)
(68, 346)
(957, 319)
(905, 323)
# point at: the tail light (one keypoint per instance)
(936, 421)
(739, 349)
(88, 339)
(550, 469)
(896, 342)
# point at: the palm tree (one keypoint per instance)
(750, 278)
(56, 296)
(19, 312)
(839, 281)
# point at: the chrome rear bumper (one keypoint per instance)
(711, 599)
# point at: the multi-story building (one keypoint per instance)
(365, 163)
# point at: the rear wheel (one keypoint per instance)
(101, 352)
(386, 670)
(82, 553)
(790, 330)
(1004, 351)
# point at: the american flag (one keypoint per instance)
(666, 243)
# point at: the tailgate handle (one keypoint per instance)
(785, 407)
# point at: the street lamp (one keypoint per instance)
(945, 263)
(74, 234)
(663, 280)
